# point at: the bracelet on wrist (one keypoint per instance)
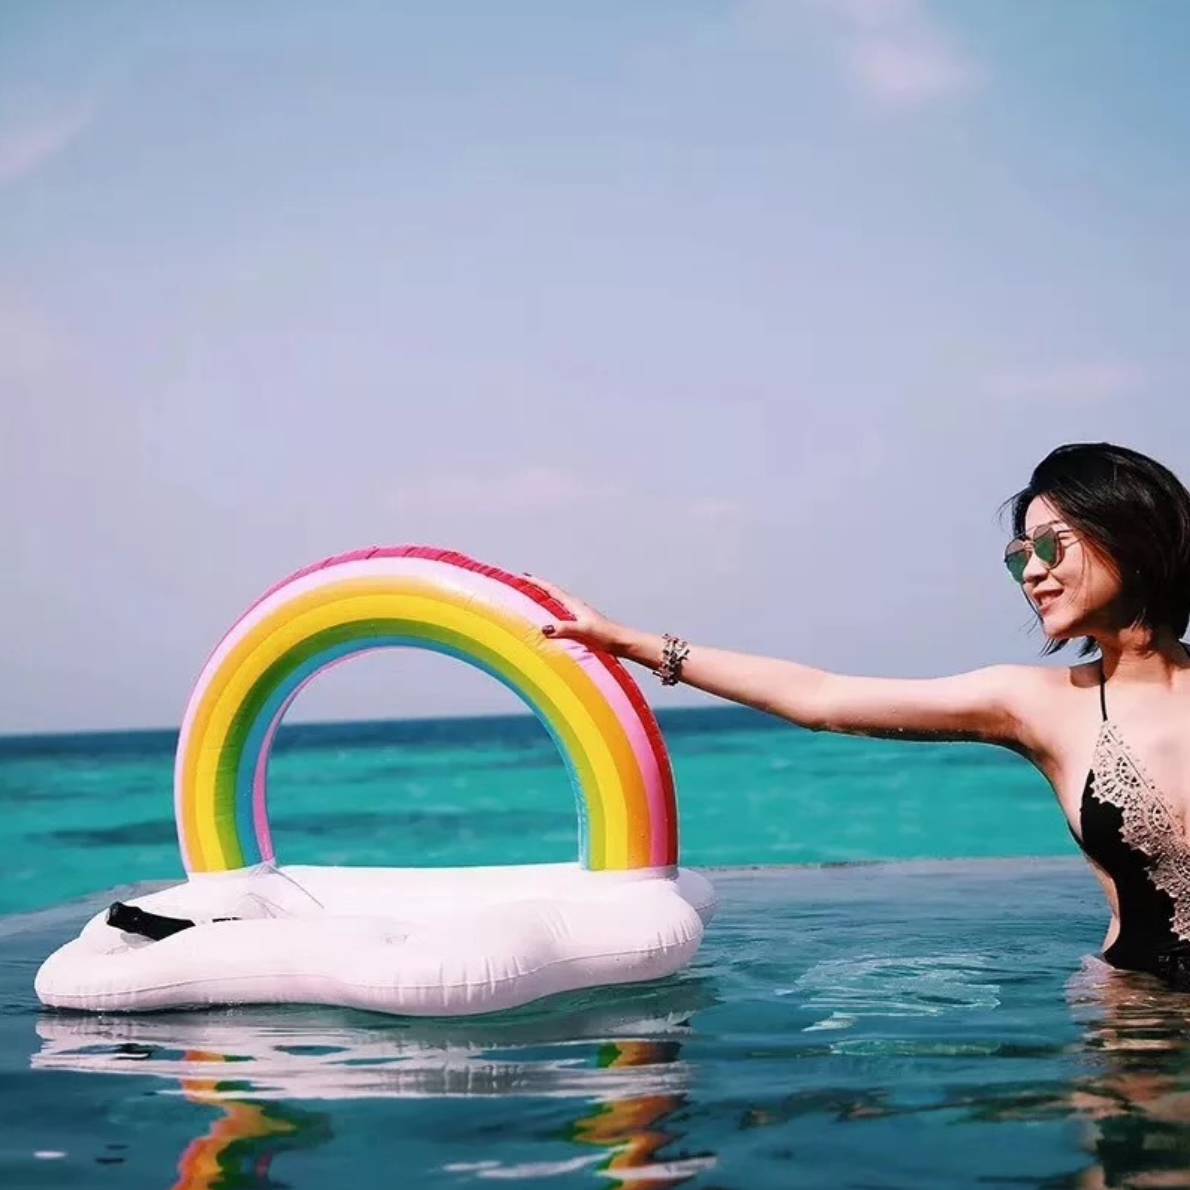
(674, 652)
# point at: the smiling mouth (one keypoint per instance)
(1047, 600)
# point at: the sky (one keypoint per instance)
(739, 319)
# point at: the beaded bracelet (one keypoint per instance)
(673, 653)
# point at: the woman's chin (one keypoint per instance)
(1064, 630)
(1058, 627)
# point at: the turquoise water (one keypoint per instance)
(931, 1021)
(87, 812)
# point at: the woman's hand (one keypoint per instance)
(588, 627)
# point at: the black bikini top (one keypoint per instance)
(1132, 832)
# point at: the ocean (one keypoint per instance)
(899, 989)
(84, 812)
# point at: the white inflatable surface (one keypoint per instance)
(410, 941)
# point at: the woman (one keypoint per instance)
(1101, 548)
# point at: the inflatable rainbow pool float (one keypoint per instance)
(421, 941)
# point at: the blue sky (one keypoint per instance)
(739, 319)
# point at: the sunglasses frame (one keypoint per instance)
(1045, 541)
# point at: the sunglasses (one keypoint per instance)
(1045, 542)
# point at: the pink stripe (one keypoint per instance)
(514, 600)
(433, 567)
(364, 564)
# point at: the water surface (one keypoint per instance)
(931, 1024)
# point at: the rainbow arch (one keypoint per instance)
(417, 596)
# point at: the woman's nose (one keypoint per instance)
(1035, 568)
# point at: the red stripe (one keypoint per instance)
(539, 596)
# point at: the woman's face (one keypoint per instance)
(1075, 594)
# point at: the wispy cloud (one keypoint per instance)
(26, 145)
(895, 50)
(1078, 384)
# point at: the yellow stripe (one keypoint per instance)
(586, 724)
(326, 607)
(581, 740)
(213, 753)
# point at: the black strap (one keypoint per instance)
(134, 920)
(1103, 680)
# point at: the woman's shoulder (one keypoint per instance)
(1049, 700)
(1049, 682)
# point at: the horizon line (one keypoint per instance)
(11, 737)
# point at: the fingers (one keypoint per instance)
(555, 593)
(574, 628)
(548, 587)
(572, 605)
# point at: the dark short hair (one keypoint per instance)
(1136, 512)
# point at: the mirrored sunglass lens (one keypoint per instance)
(1046, 545)
(1016, 559)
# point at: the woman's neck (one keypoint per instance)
(1142, 655)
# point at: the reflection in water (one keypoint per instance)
(621, 1056)
(1128, 1086)
(239, 1149)
(1131, 1087)
(611, 1080)
(1136, 1103)
(614, 1076)
(631, 1126)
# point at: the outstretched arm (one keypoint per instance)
(980, 705)
(971, 706)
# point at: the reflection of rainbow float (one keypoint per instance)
(274, 1080)
(424, 941)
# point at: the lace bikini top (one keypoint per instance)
(1132, 833)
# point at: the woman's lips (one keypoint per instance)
(1046, 599)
